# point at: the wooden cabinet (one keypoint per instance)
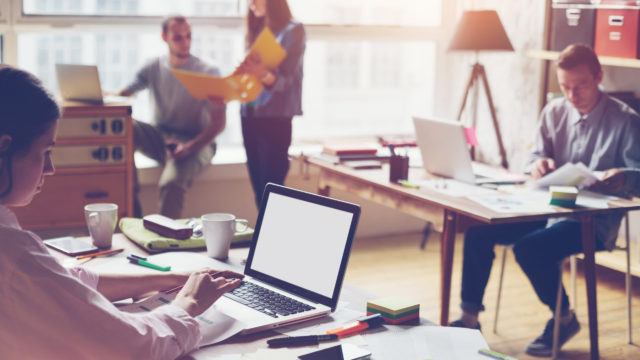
(93, 157)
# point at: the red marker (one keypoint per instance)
(362, 324)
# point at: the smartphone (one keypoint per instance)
(339, 352)
(70, 245)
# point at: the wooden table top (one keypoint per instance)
(460, 204)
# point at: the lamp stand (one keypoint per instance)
(478, 73)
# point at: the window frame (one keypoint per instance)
(13, 22)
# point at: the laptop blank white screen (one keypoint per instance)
(302, 243)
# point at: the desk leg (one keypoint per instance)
(588, 246)
(324, 190)
(446, 263)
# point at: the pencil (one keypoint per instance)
(100, 253)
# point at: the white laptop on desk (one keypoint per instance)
(445, 152)
(297, 260)
(82, 83)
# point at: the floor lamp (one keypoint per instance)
(481, 30)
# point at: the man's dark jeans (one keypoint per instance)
(538, 250)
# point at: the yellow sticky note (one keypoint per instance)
(267, 46)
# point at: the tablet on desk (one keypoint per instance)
(70, 246)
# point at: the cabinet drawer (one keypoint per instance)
(89, 155)
(63, 197)
(92, 126)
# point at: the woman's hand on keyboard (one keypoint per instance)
(201, 290)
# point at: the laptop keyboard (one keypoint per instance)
(266, 301)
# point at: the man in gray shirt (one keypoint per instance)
(183, 129)
(585, 126)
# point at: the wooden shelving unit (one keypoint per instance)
(604, 60)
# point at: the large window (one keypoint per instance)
(369, 12)
(369, 64)
(199, 8)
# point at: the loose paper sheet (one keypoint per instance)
(427, 342)
(568, 174)
(215, 326)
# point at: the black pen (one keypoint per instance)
(300, 340)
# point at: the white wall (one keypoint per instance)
(514, 80)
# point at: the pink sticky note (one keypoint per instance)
(470, 134)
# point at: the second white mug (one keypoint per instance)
(218, 230)
(101, 222)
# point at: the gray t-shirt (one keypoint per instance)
(175, 110)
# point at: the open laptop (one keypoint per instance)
(445, 152)
(82, 83)
(297, 260)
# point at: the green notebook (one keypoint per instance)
(133, 229)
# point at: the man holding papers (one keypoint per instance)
(183, 128)
(585, 126)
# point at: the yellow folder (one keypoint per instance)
(241, 87)
(267, 46)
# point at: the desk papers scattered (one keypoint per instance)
(521, 200)
(522, 203)
(452, 187)
(569, 174)
(427, 342)
(215, 326)
(593, 200)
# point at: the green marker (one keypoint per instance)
(495, 354)
(409, 185)
(138, 260)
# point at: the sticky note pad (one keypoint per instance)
(564, 196)
(394, 310)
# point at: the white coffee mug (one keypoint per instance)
(101, 222)
(218, 230)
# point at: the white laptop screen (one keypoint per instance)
(302, 243)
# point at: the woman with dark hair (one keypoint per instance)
(51, 312)
(266, 122)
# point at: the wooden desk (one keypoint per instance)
(445, 212)
(246, 344)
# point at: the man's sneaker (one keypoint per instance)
(459, 323)
(543, 345)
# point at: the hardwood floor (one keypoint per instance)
(396, 265)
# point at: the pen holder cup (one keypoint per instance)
(398, 168)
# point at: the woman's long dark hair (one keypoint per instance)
(27, 111)
(276, 18)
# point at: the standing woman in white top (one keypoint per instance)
(50, 312)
